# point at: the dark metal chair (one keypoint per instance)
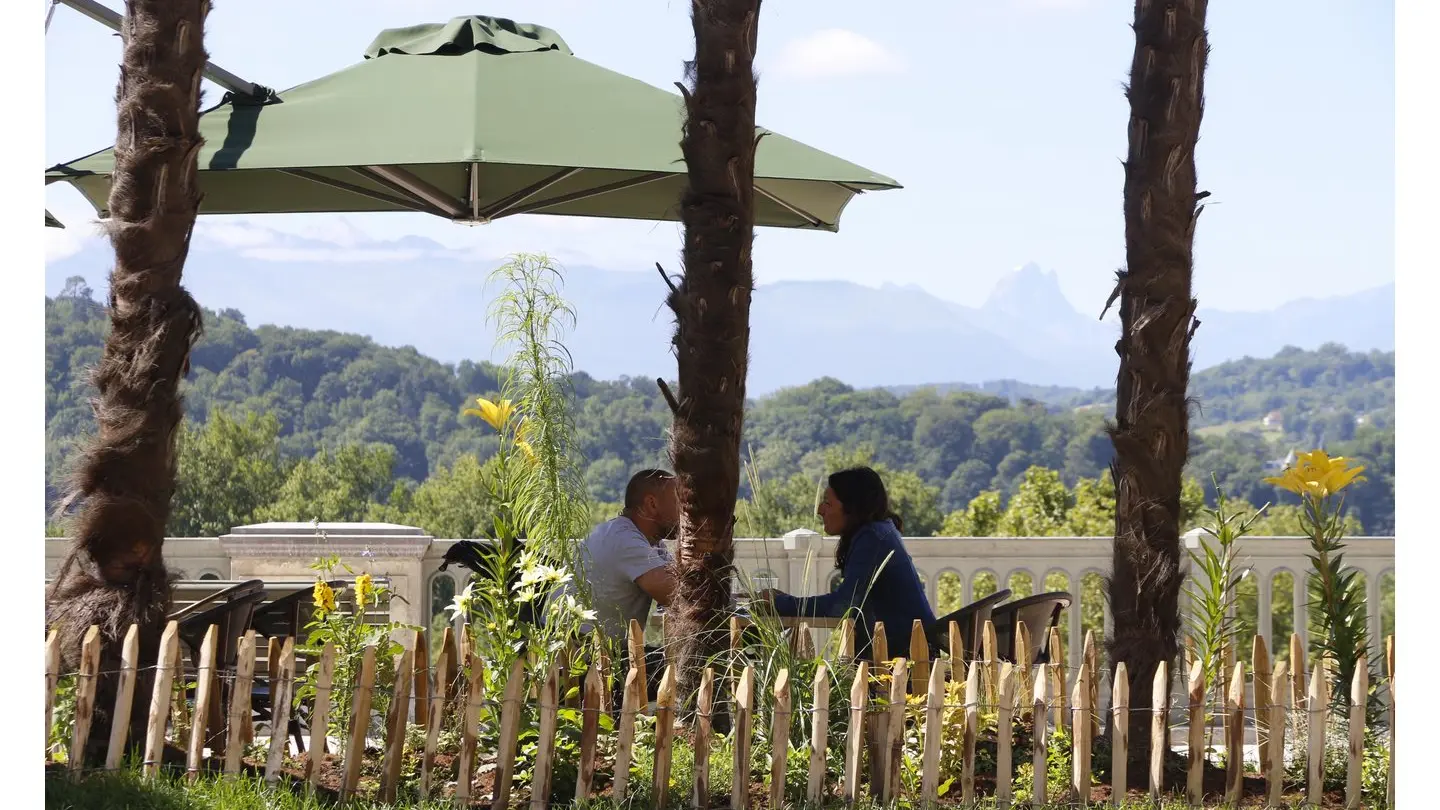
(284, 615)
(230, 608)
(1039, 613)
(971, 620)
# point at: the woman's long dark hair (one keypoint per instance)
(863, 499)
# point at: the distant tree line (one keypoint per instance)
(293, 424)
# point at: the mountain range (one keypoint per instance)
(416, 292)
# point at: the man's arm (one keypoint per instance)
(646, 566)
(659, 583)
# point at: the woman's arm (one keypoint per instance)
(865, 561)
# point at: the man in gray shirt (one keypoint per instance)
(623, 561)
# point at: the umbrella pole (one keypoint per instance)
(112, 20)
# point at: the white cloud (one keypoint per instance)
(224, 234)
(835, 53)
(335, 255)
(62, 244)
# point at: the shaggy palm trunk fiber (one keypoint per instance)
(1151, 430)
(712, 316)
(114, 574)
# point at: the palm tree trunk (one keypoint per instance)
(712, 312)
(114, 573)
(1151, 431)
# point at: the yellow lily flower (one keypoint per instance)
(493, 413)
(1317, 475)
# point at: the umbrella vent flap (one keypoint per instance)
(492, 35)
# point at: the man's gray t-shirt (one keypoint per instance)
(615, 555)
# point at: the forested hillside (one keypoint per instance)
(339, 412)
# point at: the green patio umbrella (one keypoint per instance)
(473, 120)
(52, 222)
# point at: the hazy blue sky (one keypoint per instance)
(1004, 119)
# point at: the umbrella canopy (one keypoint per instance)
(473, 120)
(52, 222)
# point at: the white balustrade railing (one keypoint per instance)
(802, 562)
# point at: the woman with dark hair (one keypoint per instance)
(878, 578)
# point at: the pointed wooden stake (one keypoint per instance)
(969, 735)
(510, 711)
(283, 696)
(1194, 786)
(1390, 673)
(855, 740)
(957, 647)
(1359, 695)
(52, 683)
(1315, 706)
(1039, 765)
(204, 693)
(934, 706)
(85, 685)
(470, 726)
(1091, 662)
(1297, 667)
(435, 719)
(319, 712)
(1082, 741)
(1005, 736)
(1120, 737)
(544, 770)
(819, 732)
(637, 655)
(664, 737)
(1159, 729)
(919, 657)
(160, 699)
(625, 745)
(1235, 736)
(125, 697)
(359, 723)
(1025, 665)
(780, 738)
(744, 732)
(704, 711)
(1279, 707)
(892, 748)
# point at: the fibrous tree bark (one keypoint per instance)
(114, 573)
(1157, 309)
(712, 313)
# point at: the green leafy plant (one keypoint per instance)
(346, 627)
(62, 719)
(1212, 621)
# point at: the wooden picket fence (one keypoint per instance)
(1046, 694)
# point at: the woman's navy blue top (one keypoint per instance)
(879, 578)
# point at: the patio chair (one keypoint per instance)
(971, 619)
(1039, 613)
(285, 615)
(231, 609)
